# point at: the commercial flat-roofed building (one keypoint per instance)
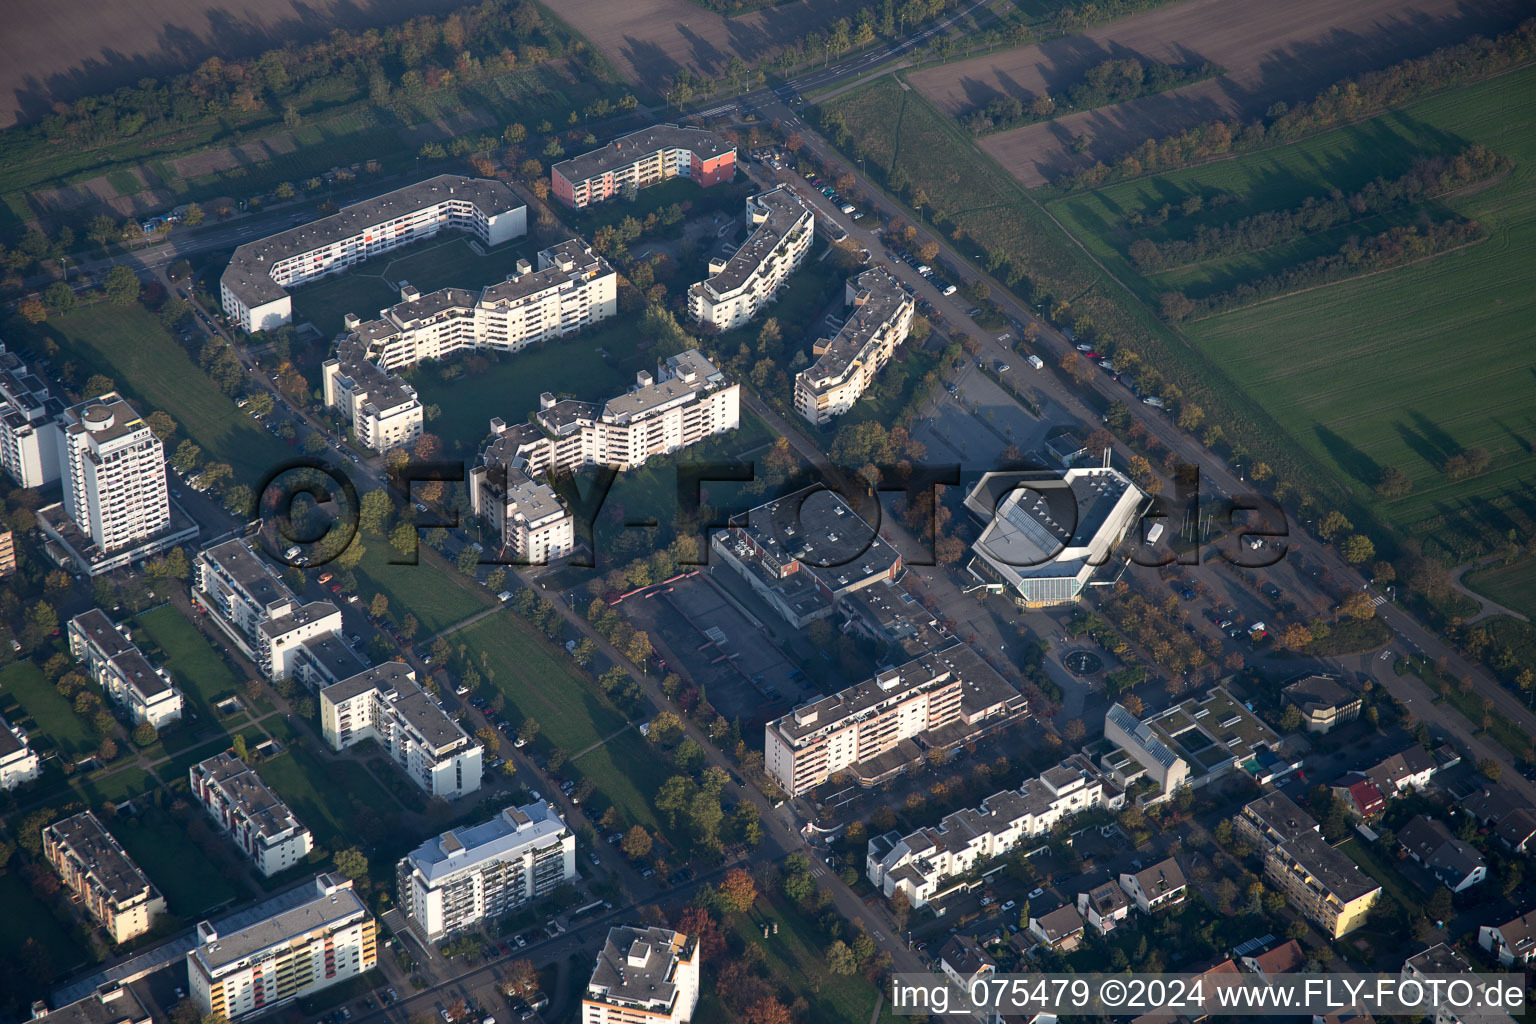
(571, 289)
(687, 401)
(643, 976)
(96, 868)
(31, 440)
(804, 552)
(927, 862)
(846, 363)
(250, 603)
(1323, 701)
(384, 703)
(1193, 742)
(115, 663)
(116, 508)
(19, 763)
(641, 159)
(110, 1003)
(532, 521)
(297, 952)
(250, 813)
(740, 285)
(1319, 881)
(880, 727)
(1045, 534)
(475, 874)
(255, 285)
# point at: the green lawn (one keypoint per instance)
(190, 883)
(54, 722)
(1399, 369)
(541, 682)
(28, 917)
(628, 770)
(435, 593)
(322, 794)
(1513, 586)
(128, 344)
(201, 672)
(1391, 882)
(116, 786)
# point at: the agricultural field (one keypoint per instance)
(148, 365)
(1376, 372)
(1277, 52)
(1513, 586)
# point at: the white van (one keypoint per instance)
(1036, 362)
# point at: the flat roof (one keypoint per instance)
(626, 149)
(509, 834)
(776, 213)
(249, 795)
(104, 419)
(334, 655)
(396, 684)
(332, 905)
(240, 562)
(879, 299)
(818, 529)
(87, 840)
(683, 376)
(249, 274)
(110, 1004)
(1052, 524)
(638, 966)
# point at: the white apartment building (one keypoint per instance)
(30, 437)
(296, 952)
(250, 813)
(385, 703)
(571, 289)
(477, 873)
(643, 976)
(96, 869)
(19, 763)
(641, 159)
(254, 288)
(739, 286)
(688, 401)
(846, 364)
(923, 863)
(114, 474)
(115, 663)
(868, 729)
(533, 523)
(245, 597)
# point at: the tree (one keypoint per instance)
(351, 862)
(108, 749)
(520, 980)
(1333, 524)
(145, 734)
(238, 746)
(1296, 637)
(737, 892)
(379, 606)
(636, 843)
(1490, 769)
(374, 512)
(1290, 719)
(1439, 907)
(768, 1010)
(1075, 731)
(33, 311)
(467, 560)
(1394, 483)
(1357, 549)
(122, 286)
(840, 959)
(528, 730)
(60, 297)
(1359, 605)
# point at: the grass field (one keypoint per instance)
(57, 725)
(324, 794)
(28, 917)
(432, 591)
(191, 884)
(1513, 586)
(204, 676)
(1399, 369)
(128, 344)
(442, 262)
(628, 771)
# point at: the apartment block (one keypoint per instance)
(643, 976)
(107, 881)
(532, 521)
(254, 288)
(847, 363)
(247, 599)
(115, 663)
(571, 289)
(1324, 885)
(741, 284)
(1194, 742)
(19, 763)
(116, 508)
(806, 552)
(384, 703)
(642, 159)
(687, 401)
(871, 730)
(326, 939)
(250, 813)
(30, 437)
(926, 863)
(110, 1003)
(475, 874)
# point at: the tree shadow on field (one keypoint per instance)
(1427, 439)
(1349, 458)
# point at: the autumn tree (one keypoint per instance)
(636, 844)
(768, 1010)
(737, 892)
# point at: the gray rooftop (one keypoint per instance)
(112, 1003)
(104, 419)
(302, 615)
(1050, 524)
(637, 966)
(252, 574)
(509, 834)
(396, 683)
(879, 298)
(1319, 692)
(682, 377)
(249, 274)
(10, 743)
(248, 794)
(102, 632)
(817, 528)
(626, 149)
(334, 655)
(776, 213)
(332, 904)
(106, 863)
